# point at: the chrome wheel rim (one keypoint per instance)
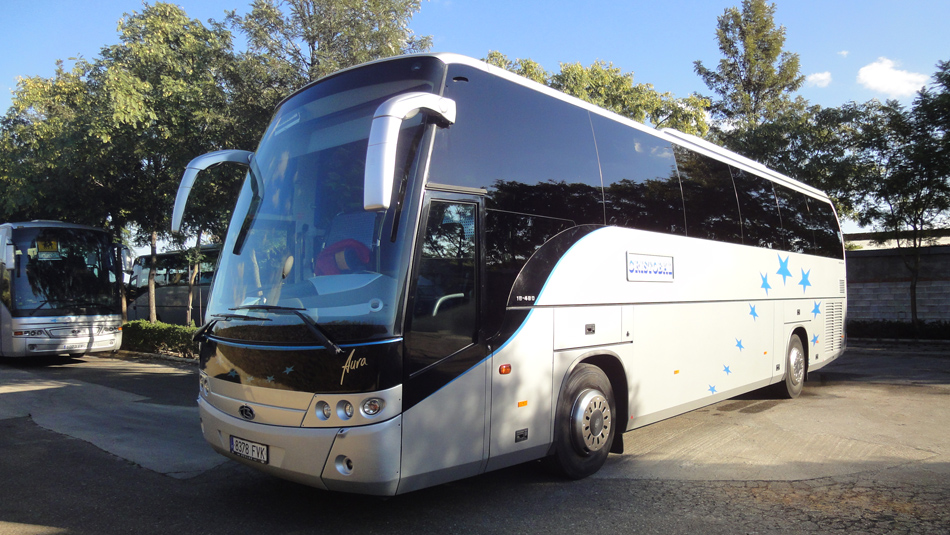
(591, 420)
(796, 365)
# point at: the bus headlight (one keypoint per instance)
(204, 385)
(372, 406)
(345, 410)
(323, 410)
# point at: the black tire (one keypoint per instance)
(795, 364)
(584, 425)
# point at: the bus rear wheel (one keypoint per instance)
(791, 387)
(584, 426)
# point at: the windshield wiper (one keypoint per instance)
(315, 329)
(42, 304)
(228, 317)
(201, 335)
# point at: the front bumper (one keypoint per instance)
(364, 460)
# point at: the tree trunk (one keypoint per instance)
(153, 266)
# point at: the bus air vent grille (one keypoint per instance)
(834, 326)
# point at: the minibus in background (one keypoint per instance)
(59, 293)
(437, 268)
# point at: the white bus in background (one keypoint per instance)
(437, 268)
(58, 294)
(171, 286)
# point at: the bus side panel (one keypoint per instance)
(443, 436)
(521, 408)
(688, 353)
(6, 332)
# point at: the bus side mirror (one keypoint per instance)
(9, 256)
(191, 173)
(126, 257)
(383, 135)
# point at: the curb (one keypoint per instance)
(124, 354)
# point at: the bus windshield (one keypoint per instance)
(60, 271)
(301, 248)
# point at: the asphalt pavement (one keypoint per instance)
(106, 445)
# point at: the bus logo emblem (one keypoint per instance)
(246, 412)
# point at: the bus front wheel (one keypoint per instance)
(584, 426)
(791, 387)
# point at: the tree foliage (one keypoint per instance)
(607, 86)
(755, 78)
(313, 38)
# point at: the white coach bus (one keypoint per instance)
(59, 293)
(436, 268)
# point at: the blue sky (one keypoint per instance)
(851, 50)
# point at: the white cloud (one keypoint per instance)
(819, 79)
(843, 53)
(884, 76)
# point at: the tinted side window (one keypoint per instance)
(533, 153)
(793, 205)
(712, 211)
(824, 225)
(761, 222)
(510, 240)
(641, 187)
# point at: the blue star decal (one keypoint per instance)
(233, 373)
(753, 313)
(817, 309)
(726, 369)
(288, 370)
(783, 269)
(804, 283)
(270, 378)
(814, 340)
(249, 378)
(739, 344)
(712, 389)
(765, 283)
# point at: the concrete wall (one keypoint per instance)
(879, 285)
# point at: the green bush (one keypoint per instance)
(927, 330)
(140, 335)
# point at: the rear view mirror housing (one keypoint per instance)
(383, 135)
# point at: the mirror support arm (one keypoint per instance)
(191, 173)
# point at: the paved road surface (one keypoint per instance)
(101, 445)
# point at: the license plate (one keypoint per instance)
(249, 450)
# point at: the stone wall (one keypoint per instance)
(879, 285)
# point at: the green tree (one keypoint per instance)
(609, 87)
(164, 85)
(755, 79)
(313, 38)
(905, 189)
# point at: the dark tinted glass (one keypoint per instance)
(825, 229)
(511, 239)
(641, 187)
(797, 233)
(533, 153)
(709, 196)
(443, 316)
(761, 222)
